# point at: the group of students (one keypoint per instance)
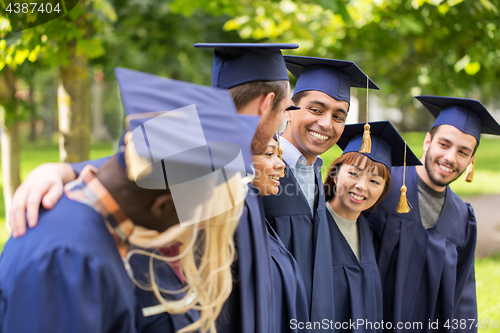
(207, 219)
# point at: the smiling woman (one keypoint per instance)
(357, 182)
(268, 169)
(288, 293)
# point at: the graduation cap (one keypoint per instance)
(388, 148)
(332, 77)
(467, 115)
(186, 138)
(238, 63)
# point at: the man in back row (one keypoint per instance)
(298, 211)
(426, 256)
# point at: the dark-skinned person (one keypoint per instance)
(426, 256)
(355, 183)
(298, 212)
(129, 222)
(256, 77)
(288, 292)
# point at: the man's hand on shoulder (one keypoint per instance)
(43, 185)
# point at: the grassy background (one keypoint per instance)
(486, 181)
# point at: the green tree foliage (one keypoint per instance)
(408, 47)
(157, 37)
(66, 42)
(446, 47)
(52, 41)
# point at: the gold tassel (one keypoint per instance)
(280, 153)
(366, 145)
(469, 174)
(137, 166)
(403, 202)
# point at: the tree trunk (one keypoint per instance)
(32, 136)
(9, 137)
(74, 108)
(99, 131)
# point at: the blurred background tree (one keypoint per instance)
(408, 48)
(58, 91)
(59, 75)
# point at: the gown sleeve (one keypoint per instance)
(465, 298)
(248, 309)
(63, 291)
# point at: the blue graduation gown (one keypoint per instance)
(166, 279)
(426, 274)
(289, 294)
(356, 283)
(307, 238)
(249, 308)
(65, 275)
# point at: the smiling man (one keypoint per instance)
(426, 257)
(317, 130)
(298, 211)
(441, 168)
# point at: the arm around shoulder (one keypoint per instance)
(43, 185)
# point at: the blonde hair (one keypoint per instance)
(205, 256)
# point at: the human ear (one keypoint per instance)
(288, 116)
(162, 205)
(427, 141)
(472, 159)
(265, 104)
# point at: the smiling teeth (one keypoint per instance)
(357, 197)
(274, 177)
(445, 168)
(318, 136)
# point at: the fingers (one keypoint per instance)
(33, 205)
(17, 209)
(53, 195)
(44, 184)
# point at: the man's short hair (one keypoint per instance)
(298, 96)
(433, 131)
(247, 92)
